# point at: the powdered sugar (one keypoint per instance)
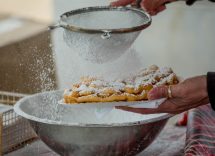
(99, 83)
(95, 47)
(152, 75)
(117, 85)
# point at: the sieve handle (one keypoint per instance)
(51, 27)
(106, 35)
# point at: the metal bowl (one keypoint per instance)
(78, 132)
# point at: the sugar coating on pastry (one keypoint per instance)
(133, 88)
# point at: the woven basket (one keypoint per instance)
(15, 131)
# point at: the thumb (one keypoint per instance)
(121, 2)
(158, 92)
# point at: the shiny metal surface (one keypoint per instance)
(68, 138)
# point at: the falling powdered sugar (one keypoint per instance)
(95, 47)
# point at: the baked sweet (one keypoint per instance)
(134, 88)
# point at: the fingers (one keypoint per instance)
(166, 107)
(158, 92)
(162, 92)
(121, 2)
(153, 7)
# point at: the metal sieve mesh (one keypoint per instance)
(102, 34)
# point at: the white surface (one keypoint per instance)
(104, 108)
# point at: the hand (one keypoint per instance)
(151, 6)
(189, 94)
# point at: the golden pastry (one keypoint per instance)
(135, 88)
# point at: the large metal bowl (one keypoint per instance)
(78, 132)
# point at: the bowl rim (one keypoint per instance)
(20, 112)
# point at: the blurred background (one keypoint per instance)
(34, 59)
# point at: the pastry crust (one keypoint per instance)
(135, 88)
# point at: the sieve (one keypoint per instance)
(103, 33)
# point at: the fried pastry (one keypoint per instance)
(135, 88)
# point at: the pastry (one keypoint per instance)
(134, 88)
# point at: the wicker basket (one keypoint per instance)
(15, 131)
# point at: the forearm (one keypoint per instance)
(211, 88)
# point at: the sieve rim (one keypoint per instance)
(71, 27)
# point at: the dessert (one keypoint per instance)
(133, 88)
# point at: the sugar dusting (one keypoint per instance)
(47, 106)
(92, 49)
(41, 68)
(95, 47)
(38, 63)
